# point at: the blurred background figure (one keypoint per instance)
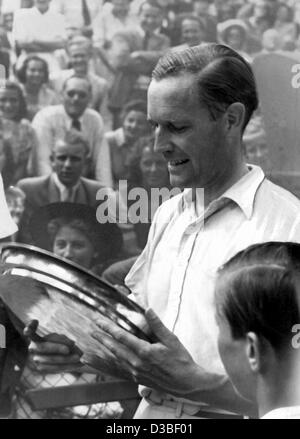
(79, 14)
(193, 32)
(34, 77)
(234, 33)
(122, 141)
(51, 124)
(19, 133)
(39, 31)
(80, 51)
(115, 18)
(15, 199)
(286, 27)
(147, 169)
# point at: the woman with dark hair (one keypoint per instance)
(34, 77)
(258, 314)
(17, 130)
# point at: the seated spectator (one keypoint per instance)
(202, 9)
(147, 170)
(224, 10)
(15, 199)
(80, 52)
(144, 47)
(121, 141)
(260, 21)
(193, 32)
(111, 20)
(51, 124)
(34, 76)
(39, 31)
(151, 43)
(69, 157)
(19, 134)
(257, 302)
(71, 231)
(79, 14)
(285, 25)
(234, 33)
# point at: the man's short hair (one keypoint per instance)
(223, 76)
(74, 137)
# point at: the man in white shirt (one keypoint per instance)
(52, 122)
(199, 102)
(39, 31)
(112, 20)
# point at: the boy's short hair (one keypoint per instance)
(258, 291)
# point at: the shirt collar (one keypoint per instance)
(242, 193)
(70, 118)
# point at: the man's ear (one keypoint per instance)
(254, 352)
(235, 116)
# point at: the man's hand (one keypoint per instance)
(53, 353)
(165, 365)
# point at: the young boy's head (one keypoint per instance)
(258, 308)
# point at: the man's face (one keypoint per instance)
(76, 97)
(191, 32)
(68, 162)
(193, 145)
(42, 5)
(150, 18)
(79, 57)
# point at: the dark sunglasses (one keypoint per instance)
(80, 94)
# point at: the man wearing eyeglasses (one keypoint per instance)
(52, 122)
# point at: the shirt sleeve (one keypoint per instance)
(7, 225)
